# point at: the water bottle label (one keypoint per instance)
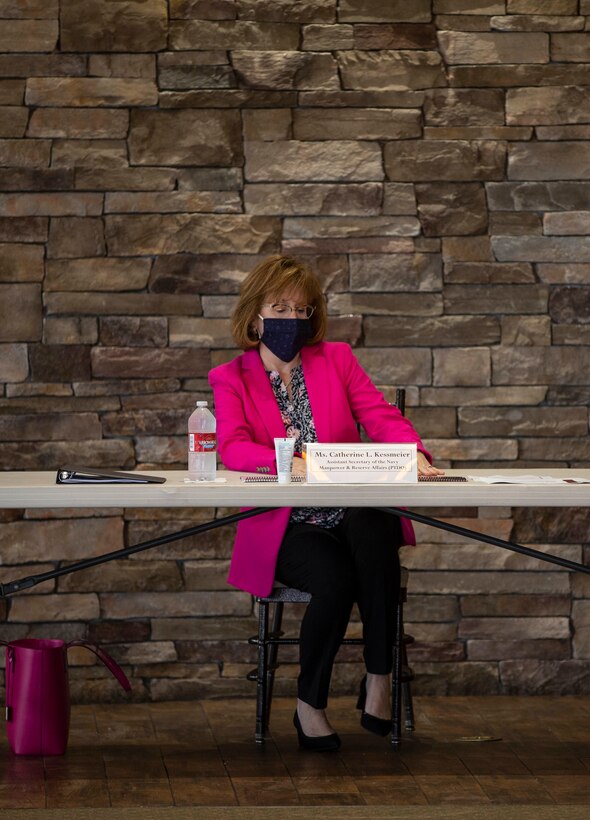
(202, 442)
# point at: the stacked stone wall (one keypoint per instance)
(431, 159)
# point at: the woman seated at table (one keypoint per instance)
(291, 382)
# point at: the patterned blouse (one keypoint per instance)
(298, 421)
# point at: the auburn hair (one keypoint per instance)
(272, 278)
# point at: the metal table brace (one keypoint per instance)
(488, 539)
(32, 580)
(11, 587)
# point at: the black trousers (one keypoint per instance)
(355, 561)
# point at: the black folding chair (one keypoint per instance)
(270, 637)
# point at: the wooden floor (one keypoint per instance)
(203, 754)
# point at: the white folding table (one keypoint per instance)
(39, 489)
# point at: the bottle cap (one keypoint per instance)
(202, 404)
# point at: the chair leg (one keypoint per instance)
(261, 695)
(275, 632)
(407, 695)
(396, 678)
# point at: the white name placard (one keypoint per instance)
(361, 463)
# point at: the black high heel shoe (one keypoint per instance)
(323, 743)
(379, 726)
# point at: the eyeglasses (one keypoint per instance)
(280, 309)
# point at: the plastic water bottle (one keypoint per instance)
(202, 444)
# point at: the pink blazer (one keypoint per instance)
(248, 419)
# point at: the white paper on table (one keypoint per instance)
(527, 479)
(203, 481)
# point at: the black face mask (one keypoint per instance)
(285, 337)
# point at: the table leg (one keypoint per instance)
(32, 580)
(488, 539)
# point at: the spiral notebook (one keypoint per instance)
(438, 478)
(269, 479)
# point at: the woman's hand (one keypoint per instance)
(425, 468)
(299, 466)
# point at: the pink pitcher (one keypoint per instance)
(38, 693)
